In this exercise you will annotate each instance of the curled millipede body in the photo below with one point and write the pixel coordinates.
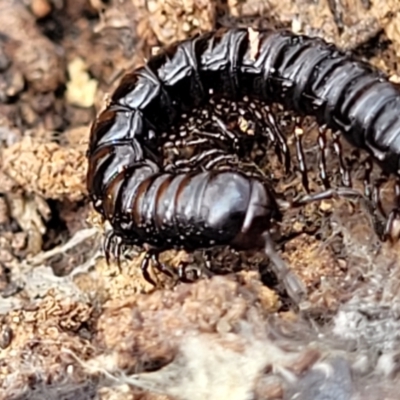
(146, 204)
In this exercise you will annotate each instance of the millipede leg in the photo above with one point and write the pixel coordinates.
(397, 192)
(216, 160)
(392, 228)
(376, 197)
(273, 126)
(205, 137)
(207, 260)
(322, 161)
(192, 142)
(327, 194)
(108, 244)
(192, 162)
(225, 134)
(367, 177)
(270, 131)
(198, 158)
(160, 266)
(344, 172)
(184, 270)
(117, 253)
(144, 266)
(301, 159)
(153, 255)
(352, 193)
(112, 245)
(173, 144)
(233, 137)
(198, 270)
(293, 285)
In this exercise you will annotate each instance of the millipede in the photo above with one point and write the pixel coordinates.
(164, 208)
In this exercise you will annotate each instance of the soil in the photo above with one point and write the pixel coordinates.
(74, 326)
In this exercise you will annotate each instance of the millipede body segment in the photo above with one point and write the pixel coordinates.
(146, 204)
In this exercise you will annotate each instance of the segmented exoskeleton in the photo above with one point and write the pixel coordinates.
(167, 209)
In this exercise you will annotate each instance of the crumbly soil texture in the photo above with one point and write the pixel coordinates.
(73, 326)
